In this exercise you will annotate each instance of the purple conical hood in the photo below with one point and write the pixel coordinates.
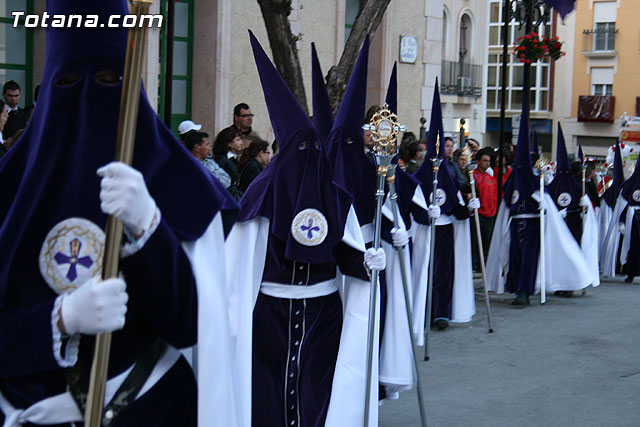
(436, 128)
(562, 158)
(298, 177)
(535, 148)
(580, 154)
(522, 178)
(351, 167)
(352, 109)
(286, 114)
(564, 189)
(424, 174)
(392, 91)
(322, 113)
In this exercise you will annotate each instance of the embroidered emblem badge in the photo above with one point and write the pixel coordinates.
(564, 200)
(441, 197)
(309, 227)
(71, 254)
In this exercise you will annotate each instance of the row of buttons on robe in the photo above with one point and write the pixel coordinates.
(296, 326)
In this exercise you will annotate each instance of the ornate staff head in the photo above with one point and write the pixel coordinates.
(385, 128)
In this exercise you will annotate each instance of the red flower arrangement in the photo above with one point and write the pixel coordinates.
(531, 48)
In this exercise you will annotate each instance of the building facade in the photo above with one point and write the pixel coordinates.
(601, 75)
(213, 67)
(542, 81)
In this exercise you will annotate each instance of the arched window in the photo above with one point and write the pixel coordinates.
(445, 24)
(465, 39)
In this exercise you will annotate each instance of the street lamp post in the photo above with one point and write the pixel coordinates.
(530, 13)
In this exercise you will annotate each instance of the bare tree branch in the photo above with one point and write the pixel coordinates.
(283, 45)
(285, 52)
(367, 21)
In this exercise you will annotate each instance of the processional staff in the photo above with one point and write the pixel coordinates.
(435, 163)
(129, 103)
(480, 249)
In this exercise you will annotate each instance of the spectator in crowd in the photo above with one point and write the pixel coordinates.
(253, 159)
(10, 141)
(199, 146)
(17, 116)
(226, 149)
(487, 192)
(243, 119)
(187, 126)
(448, 154)
(408, 154)
(474, 146)
(461, 159)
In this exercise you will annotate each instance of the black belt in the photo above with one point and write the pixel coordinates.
(78, 380)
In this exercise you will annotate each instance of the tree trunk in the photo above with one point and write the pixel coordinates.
(367, 21)
(283, 45)
(285, 52)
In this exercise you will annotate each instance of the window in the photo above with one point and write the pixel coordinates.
(445, 22)
(602, 81)
(601, 89)
(604, 25)
(352, 8)
(182, 78)
(604, 36)
(465, 38)
(16, 48)
(540, 71)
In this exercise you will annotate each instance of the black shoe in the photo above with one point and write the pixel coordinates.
(441, 324)
(559, 293)
(567, 294)
(629, 279)
(521, 300)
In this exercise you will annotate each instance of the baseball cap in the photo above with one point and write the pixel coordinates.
(187, 126)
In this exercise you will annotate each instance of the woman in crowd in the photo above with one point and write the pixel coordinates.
(253, 159)
(226, 149)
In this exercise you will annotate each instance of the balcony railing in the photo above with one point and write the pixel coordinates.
(461, 79)
(599, 109)
(600, 41)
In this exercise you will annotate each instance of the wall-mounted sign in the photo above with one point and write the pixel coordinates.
(408, 49)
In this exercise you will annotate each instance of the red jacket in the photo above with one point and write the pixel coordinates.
(487, 193)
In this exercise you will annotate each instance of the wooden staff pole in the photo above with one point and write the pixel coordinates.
(129, 103)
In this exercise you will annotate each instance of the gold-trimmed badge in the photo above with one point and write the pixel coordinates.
(564, 199)
(71, 254)
(309, 227)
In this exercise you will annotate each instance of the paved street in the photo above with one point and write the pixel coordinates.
(572, 362)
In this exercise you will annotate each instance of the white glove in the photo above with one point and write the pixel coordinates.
(621, 227)
(124, 194)
(585, 202)
(400, 237)
(375, 259)
(95, 307)
(434, 211)
(474, 203)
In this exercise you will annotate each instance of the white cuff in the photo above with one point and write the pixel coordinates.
(134, 245)
(71, 350)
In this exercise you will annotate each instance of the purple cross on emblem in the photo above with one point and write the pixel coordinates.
(73, 259)
(310, 228)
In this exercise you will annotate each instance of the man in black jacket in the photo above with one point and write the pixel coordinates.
(17, 116)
